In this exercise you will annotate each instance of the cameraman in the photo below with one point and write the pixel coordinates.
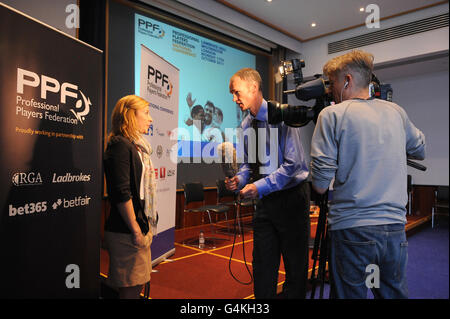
(281, 219)
(361, 141)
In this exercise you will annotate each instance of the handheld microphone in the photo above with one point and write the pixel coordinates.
(229, 162)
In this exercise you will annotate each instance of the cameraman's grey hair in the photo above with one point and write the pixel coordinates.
(357, 62)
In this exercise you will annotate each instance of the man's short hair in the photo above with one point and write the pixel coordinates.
(357, 62)
(249, 74)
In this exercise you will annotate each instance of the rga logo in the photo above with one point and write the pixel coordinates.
(27, 179)
(158, 83)
(151, 29)
(49, 84)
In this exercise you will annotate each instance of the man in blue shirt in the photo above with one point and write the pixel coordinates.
(278, 181)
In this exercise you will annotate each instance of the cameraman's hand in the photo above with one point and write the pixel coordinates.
(232, 183)
(138, 239)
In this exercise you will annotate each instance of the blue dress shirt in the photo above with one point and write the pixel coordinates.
(284, 165)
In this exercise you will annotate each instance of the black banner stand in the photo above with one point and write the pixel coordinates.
(51, 103)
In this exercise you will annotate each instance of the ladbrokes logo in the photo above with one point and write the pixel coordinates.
(70, 178)
(151, 29)
(41, 109)
(158, 83)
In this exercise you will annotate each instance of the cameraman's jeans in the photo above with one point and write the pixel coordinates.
(382, 247)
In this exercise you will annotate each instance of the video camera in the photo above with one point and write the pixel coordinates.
(301, 115)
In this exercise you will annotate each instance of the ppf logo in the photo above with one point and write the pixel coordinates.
(157, 80)
(48, 84)
(27, 179)
(151, 29)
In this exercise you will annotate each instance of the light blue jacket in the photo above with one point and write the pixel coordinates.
(364, 144)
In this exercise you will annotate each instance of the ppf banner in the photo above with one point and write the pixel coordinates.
(159, 85)
(50, 161)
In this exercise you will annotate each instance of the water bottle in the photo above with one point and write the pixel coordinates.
(201, 240)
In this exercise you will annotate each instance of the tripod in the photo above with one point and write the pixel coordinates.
(321, 250)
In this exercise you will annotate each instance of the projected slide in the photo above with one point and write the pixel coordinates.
(206, 107)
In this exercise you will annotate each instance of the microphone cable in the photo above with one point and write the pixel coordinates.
(243, 249)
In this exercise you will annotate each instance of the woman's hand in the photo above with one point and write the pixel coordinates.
(126, 210)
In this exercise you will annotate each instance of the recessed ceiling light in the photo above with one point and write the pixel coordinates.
(313, 24)
(269, 0)
(361, 9)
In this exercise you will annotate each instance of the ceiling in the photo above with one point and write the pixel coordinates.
(294, 17)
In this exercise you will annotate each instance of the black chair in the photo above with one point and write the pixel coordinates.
(440, 203)
(224, 196)
(194, 193)
(224, 193)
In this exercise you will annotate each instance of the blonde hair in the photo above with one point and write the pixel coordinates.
(356, 62)
(123, 118)
(249, 74)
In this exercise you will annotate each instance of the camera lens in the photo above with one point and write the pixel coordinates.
(292, 115)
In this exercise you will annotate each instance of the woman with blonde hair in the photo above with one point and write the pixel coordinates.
(131, 192)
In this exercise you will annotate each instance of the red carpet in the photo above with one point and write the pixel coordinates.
(193, 273)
